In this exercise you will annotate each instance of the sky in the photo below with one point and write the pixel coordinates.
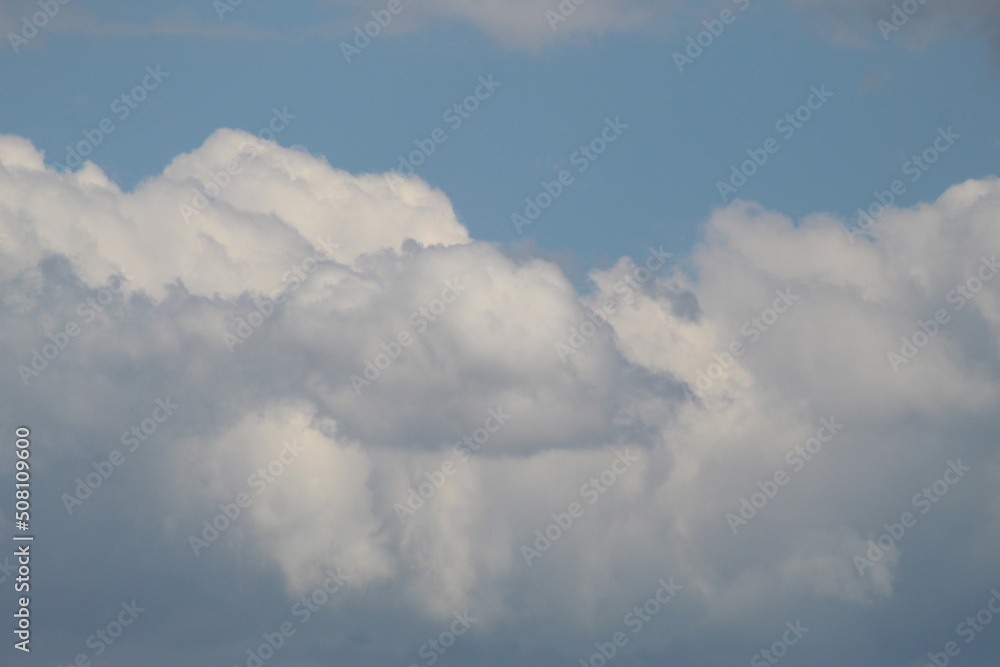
(520, 332)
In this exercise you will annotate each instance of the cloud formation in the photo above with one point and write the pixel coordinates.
(534, 25)
(664, 403)
(914, 23)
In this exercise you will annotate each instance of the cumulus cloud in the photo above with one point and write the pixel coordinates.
(349, 329)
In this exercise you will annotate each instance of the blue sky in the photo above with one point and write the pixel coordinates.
(470, 440)
(657, 185)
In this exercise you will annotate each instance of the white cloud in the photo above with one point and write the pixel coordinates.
(495, 346)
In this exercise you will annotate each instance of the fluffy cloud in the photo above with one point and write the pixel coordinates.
(338, 346)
